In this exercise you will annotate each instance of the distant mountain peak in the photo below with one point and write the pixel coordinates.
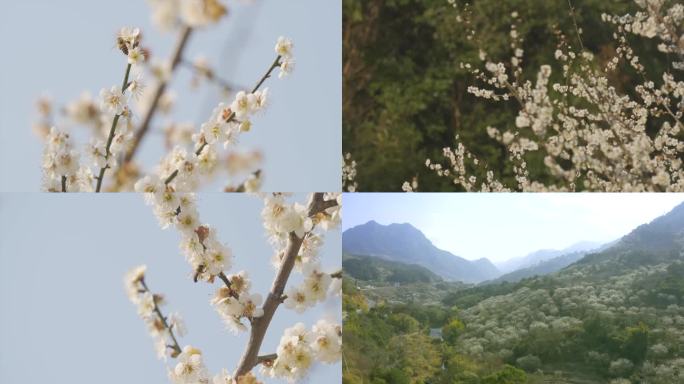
(402, 242)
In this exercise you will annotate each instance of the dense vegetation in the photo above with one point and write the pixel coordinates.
(405, 94)
(615, 316)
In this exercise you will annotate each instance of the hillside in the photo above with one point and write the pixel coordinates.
(614, 316)
(543, 255)
(367, 268)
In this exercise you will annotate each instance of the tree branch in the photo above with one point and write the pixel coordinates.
(176, 347)
(100, 177)
(270, 358)
(157, 94)
(231, 117)
(260, 324)
(318, 204)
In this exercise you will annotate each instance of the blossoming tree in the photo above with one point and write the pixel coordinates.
(296, 232)
(124, 113)
(591, 134)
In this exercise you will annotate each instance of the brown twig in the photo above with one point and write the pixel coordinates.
(267, 358)
(176, 347)
(231, 117)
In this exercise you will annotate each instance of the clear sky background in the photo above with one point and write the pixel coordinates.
(65, 47)
(64, 314)
(502, 226)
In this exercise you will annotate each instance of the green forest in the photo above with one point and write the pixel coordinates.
(406, 91)
(613, 317)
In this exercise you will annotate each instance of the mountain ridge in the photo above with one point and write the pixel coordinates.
(403, 242)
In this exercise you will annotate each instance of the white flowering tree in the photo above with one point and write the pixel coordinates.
(123, 116)
(592, 134)
(296, 232)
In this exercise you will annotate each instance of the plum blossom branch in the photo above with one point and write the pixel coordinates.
(176, 57)
(291, 226)
(148, 303)
(231, 117)
(163, 319)
(112, 130)
(250, 356)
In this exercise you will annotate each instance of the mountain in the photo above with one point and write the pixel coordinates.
(655, 250)
(568, 256)
(660, 241)
(543, 255)
(542, 268)
(406, 244)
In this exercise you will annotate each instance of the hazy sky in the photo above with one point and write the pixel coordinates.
(64, 314)
(501, 226)
(65, 47)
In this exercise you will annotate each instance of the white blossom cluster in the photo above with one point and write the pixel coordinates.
(282, 218)
(299, 348)
(182, 168)
(112, 121)
(593, 135)
(234, 302)
(656, 20)
(191, 157)
(207, 256)
(61, 165)
(313, 290)
(169, 14)
(163, 329)
(349, 183)
(190, 368)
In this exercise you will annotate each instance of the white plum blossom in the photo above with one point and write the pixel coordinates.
(299, 348)
(327, 341)
(284, 47)
(190, 368)
(112, 100)
(61, 163)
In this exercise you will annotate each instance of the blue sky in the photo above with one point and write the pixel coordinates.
(65, 47)
(65, 315)
(501, 226)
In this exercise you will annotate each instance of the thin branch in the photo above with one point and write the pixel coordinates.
(231, 117)
(157, 94)
(270, 358)
(574, 21)
(176, 347)
(210, 76)
(100, 177)
(336, 275)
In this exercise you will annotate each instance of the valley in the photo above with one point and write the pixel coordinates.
(611, 313)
